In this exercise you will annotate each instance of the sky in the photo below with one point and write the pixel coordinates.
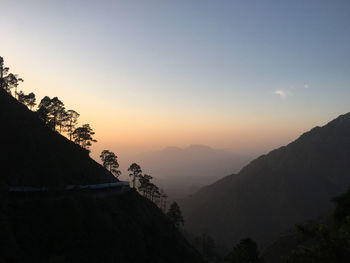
(243, 75)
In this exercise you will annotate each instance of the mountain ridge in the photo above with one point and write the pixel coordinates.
(288, 185)
(28, 140)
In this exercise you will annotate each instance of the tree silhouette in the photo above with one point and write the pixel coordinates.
(246, 251)
(145, 181)
(325, 241)
(163, 200)
(57, 112)
(71, 122)
(150, 190)
(44, 110)
(52, 112)
(83, 136)
(28, 100)
(175, 215)
(207, 247)
(153, 192)
(8, 80)
(21, 97)
(110, 162)
(136, 172)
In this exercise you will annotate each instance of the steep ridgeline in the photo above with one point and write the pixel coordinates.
(36, 156)
(277, 190)
(73, 226)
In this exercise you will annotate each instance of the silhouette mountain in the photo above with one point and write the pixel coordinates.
(35, 155)
(74, 226)
(289, 185)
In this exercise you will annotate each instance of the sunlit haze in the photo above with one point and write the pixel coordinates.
(242, 75)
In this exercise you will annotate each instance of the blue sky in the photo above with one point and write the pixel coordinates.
(177, 68)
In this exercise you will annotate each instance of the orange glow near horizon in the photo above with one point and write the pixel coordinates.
(128, 119)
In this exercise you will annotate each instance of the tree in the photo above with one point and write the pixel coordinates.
(57, 112)
(207, 247)
(144, 181)
(21, 97)
(71, 122)
(175, 215)
(110, 162)
(163, 200)
(28, 100)
(148, 189)
(153, 192)
(52, 112)
(246, 251)
(8, 80)
(136, 172)
(83, 136)
(44, 110)
(324, 241)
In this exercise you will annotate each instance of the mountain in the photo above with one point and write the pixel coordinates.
(75, 226)
(35, 155)
(182, 171)
(289, 185)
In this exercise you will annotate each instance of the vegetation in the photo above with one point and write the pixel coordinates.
(71, 121)
(162, 203)
(46, 157)
(135, 172)
(246, 251)
(29, 100)
(83, 136)
(51, 111)
(325, 242)
(8, 81)
(175, 215)
(206, 245)
(145, 187)
(110, 162)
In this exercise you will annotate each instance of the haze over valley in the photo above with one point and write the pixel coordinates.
(182, 171)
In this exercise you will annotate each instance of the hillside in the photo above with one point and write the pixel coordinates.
(80, 228)
(74, 226)
(35, 155)
(289, 185)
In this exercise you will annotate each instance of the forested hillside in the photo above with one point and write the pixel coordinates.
(35, 155)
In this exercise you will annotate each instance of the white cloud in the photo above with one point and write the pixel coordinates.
(282, 93)
(306, 86)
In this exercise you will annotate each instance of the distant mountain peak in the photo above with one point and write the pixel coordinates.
(199, 147)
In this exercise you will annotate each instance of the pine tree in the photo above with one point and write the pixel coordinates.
(175, 215)
(110, 162)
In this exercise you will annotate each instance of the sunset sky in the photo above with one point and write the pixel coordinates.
(244, 75)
